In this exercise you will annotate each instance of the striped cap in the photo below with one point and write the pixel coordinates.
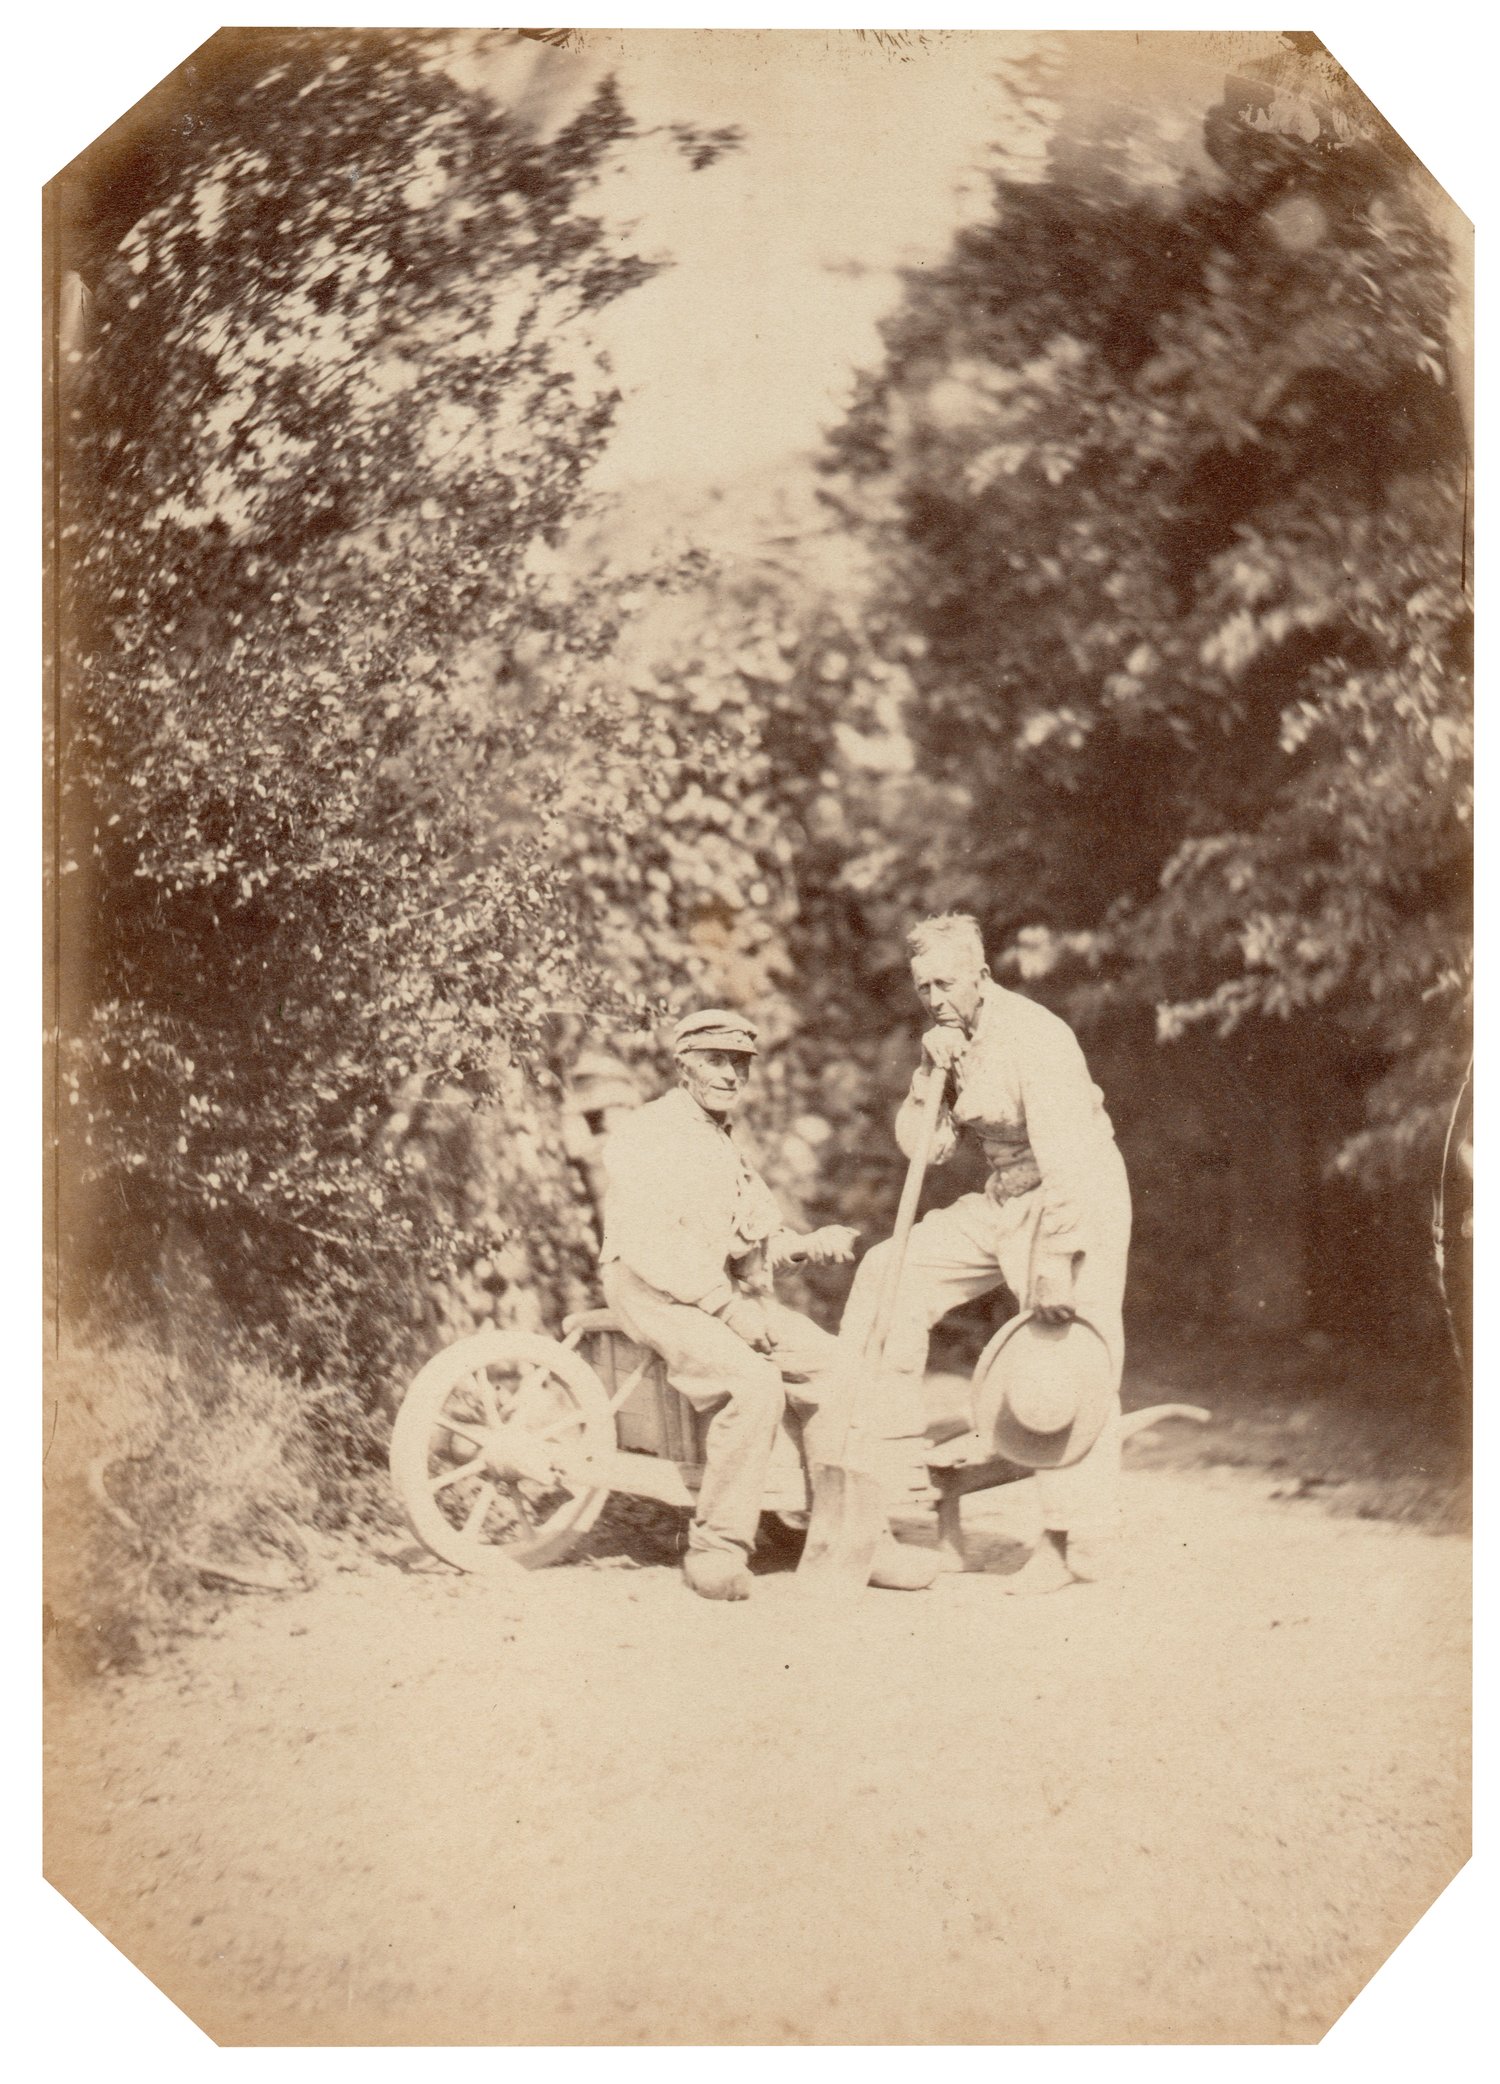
(716, 1027)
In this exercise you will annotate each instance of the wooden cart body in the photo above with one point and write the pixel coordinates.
(658, 1435)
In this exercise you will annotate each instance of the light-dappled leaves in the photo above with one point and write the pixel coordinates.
(1169, 483)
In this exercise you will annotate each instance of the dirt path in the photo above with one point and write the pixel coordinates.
(1201, 1804)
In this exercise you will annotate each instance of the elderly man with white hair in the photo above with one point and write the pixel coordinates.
(692, 1238)
(1052, 1223)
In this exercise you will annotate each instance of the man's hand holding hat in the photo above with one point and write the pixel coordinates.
(1051, 1293)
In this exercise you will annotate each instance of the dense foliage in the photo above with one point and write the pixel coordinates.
(1169, 482)
(324, 700)
(1138, 625)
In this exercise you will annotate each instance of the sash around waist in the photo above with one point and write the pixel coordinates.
(1013, 1169)
(1012, 1173)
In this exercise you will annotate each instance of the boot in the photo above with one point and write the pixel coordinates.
(898, 1568)
(717, 1574)
(1089, 1560)
(1045, 1569)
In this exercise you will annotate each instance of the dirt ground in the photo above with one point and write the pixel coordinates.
(1199, 1804)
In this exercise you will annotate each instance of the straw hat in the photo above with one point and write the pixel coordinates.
(1042, 1392)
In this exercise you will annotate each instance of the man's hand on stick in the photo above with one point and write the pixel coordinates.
(944, 1046)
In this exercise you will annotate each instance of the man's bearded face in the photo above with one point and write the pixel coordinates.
(715, 1078)
(949, 981)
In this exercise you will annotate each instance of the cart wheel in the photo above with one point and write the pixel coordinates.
(501, 1449)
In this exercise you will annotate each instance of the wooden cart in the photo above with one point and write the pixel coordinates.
(508, 1443)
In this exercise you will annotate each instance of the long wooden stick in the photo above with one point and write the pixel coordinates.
(906, 1212)
(848, 1519)
(906, 1209)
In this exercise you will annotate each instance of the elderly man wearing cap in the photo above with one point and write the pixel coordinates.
(1052, 1224)
(692, 1236)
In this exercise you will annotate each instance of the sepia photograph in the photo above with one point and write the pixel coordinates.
(758, 1149)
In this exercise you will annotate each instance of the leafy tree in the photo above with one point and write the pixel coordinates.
(321, 697)
(1168, 485)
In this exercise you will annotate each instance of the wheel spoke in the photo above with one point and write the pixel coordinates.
(523, 1389)
(485, 1389)
(464, 1428)
(455, 1475)
(473, 1526)
(528, 1517)
(570, 1421)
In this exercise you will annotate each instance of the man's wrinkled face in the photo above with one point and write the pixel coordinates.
(714, 1077)
(949, 982)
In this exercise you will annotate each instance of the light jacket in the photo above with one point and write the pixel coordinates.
(1023, 1089)
(683, 1207)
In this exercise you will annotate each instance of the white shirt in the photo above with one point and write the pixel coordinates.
(681, 1200)
(1022, 1087)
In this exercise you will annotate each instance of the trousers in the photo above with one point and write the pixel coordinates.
(977, 1244)
(747, 1393)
